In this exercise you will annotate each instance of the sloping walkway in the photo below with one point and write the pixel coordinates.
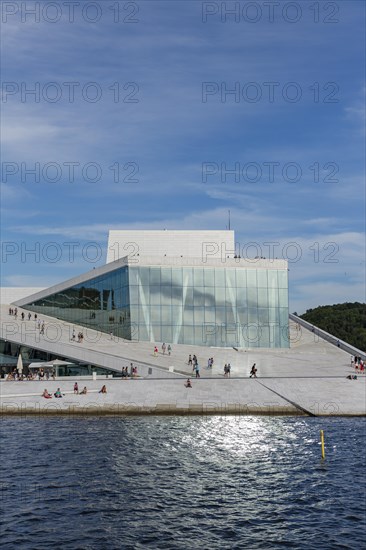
(308, 378)
(308, 356)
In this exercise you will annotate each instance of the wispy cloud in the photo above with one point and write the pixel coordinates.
(170, 132)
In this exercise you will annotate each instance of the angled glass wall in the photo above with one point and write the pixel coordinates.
(212, 306)
(101, 303)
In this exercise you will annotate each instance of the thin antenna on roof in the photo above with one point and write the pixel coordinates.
(229, 219)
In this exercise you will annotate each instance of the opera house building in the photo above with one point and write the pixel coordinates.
(182, 287)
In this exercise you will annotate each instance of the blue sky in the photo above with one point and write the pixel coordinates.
(163, 117)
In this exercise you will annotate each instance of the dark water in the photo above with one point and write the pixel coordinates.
(166, 482)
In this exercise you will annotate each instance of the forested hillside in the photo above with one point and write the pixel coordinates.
(345, 321)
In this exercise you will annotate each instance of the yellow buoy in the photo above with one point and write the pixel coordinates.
(322, 443)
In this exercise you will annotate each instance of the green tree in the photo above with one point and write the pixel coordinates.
(345, 321)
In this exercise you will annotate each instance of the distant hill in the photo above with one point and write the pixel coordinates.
(345, 321)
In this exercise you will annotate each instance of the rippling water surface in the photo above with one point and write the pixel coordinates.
(174, 482)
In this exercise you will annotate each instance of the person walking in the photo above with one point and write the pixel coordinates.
(253, 372)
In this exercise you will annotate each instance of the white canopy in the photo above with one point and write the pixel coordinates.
(20, 364)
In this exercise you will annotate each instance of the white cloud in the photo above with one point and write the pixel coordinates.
(309, 296)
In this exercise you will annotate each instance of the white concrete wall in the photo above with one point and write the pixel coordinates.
(168, 242)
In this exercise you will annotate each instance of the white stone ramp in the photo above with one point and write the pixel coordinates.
(323, 396)
(307, 356)
(97, 347)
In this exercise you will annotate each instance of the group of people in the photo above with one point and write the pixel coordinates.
(43, 374)
(167, 348)
(58, 394)
(227, 370)
(14, 312)
(164, 348)
(84, 391)
(17, 376)
(358, 363)
(132, 373)
(41, 326)
(39, 374)
(193, 361)
(80, 337)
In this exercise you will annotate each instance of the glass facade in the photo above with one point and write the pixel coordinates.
(212, 306)
(102, 303)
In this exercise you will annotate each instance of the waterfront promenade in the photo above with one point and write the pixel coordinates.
(267, 396)
(308, 378)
